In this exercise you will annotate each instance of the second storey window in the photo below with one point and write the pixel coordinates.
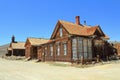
(61, 33)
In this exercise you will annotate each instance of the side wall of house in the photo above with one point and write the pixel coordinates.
(62, 53)
(50, 52)
(27, 49)
(60, 50)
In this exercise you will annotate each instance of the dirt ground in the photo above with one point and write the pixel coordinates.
(22, 70)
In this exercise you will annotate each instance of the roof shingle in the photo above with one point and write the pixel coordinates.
(18, 45)
(78, 29)
(37, 41)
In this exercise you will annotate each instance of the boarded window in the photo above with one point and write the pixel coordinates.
(74, 48)
(65, 48)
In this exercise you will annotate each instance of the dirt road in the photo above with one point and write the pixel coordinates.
(21, 70)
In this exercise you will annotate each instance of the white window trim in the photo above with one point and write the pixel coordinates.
(58, 48)
(61, 31)
(65, 49)
(51, 50)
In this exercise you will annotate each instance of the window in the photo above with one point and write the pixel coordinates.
(46, 51)
(51, 50)
(85, 48)
(90, 49)
(58, 49)
(61, 31)
(80, 47)
(65, 48)
(74, 48)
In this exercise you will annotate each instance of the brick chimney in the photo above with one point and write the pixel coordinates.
(13, 39)
(77, 20)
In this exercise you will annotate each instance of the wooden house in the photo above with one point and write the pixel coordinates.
(117, 46)
(31, 47)
(74, 42)
(16, 48)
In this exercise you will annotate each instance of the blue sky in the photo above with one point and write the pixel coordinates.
(37, 18)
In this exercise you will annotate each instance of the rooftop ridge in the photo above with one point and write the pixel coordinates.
(20, 42)
(37, 38)
(89, 26)
(70, 22)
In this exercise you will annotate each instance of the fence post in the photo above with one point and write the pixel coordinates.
(82, 60)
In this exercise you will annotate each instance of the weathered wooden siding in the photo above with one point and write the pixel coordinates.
(40, 52)
(117, 47)
(63, 57)
(64, 33)
(44, 52)
(27, 50)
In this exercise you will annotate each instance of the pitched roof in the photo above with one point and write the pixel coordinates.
(75, 29)
(37, 41)
(18, 45)
(78, 29)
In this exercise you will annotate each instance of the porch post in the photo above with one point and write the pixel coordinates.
(12, 52)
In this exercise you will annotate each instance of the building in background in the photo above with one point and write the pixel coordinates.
(16, 48)
(117, 47)
(31, 47)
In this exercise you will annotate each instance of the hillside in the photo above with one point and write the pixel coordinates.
(3, 49)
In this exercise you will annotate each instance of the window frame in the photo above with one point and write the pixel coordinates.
(65, 48)
(51, 50)
(74, 49)
(58, 49)
(61, 31)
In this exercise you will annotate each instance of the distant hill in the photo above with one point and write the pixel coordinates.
(3, 49)
(114, 42)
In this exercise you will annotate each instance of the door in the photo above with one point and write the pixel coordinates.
(40, 54)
